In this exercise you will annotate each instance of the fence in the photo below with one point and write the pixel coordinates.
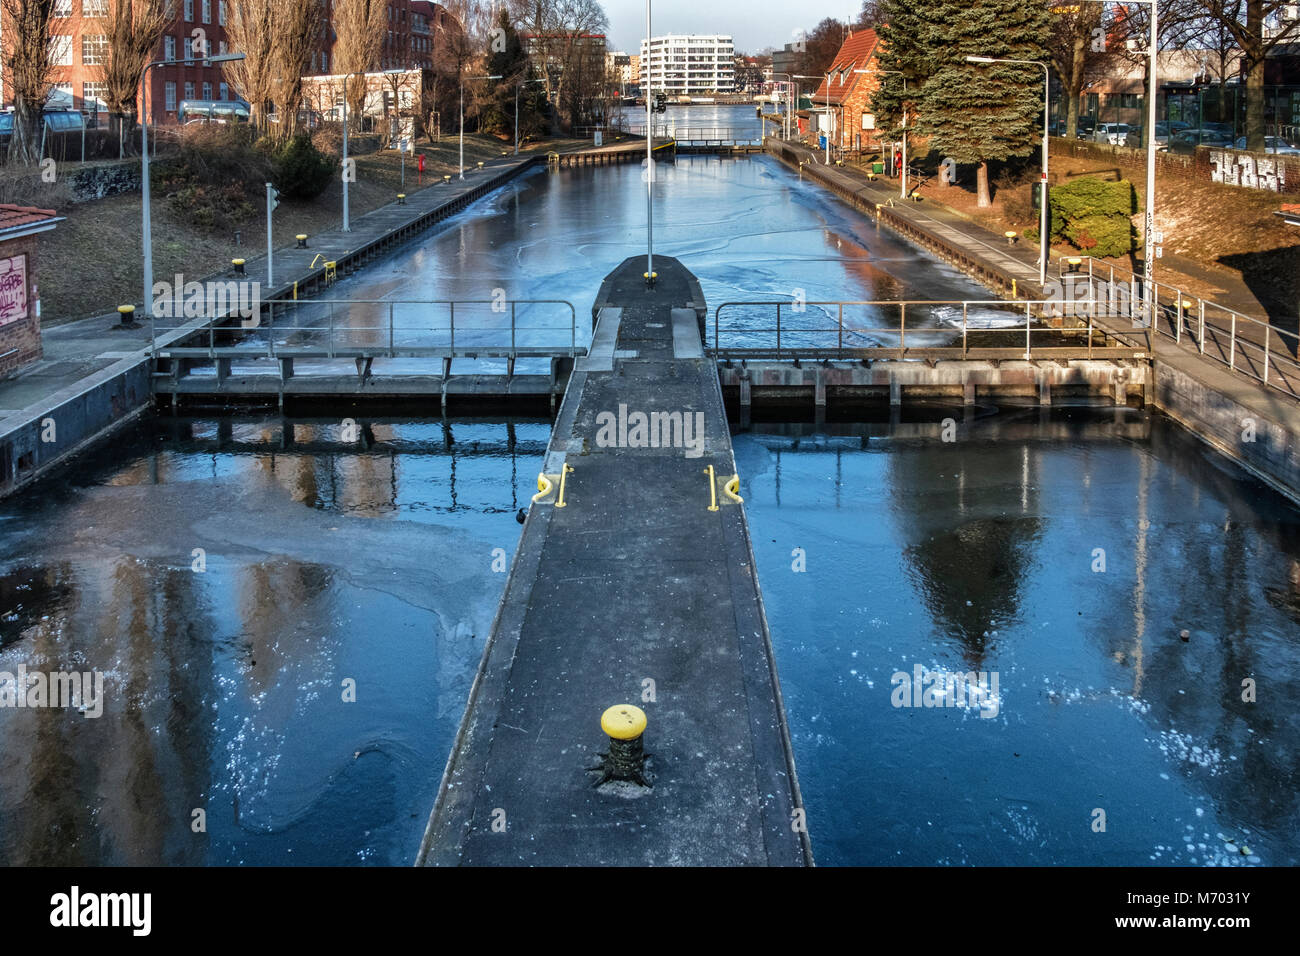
(367, 328)
(1242, 343)
(924, 329)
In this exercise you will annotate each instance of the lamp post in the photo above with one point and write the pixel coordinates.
(462, 117)
(347, 226)
(1149, 221)
(785, 127)
(649, 155)
(800, 76)
(1044, 240)
(903, 191)
(519, 86)
(146, 229)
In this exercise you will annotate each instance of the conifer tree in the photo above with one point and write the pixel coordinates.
(975, 113)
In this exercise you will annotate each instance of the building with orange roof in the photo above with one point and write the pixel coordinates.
(842, 102)
(20, 303)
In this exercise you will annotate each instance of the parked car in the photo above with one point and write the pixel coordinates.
(1186, 141)
(1112, 133)
(1085, 127)
(1273, 144)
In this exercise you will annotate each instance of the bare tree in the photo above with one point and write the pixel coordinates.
(301, 23)
(133, 28)
(359, 28)
(1078, 49)
(28, 66)
(1259, 27)
(252, 29)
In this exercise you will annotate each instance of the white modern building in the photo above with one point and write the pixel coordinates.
(688, 65)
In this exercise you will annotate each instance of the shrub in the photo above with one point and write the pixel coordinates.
(215, 177)
(1093, 215)
(301, 170)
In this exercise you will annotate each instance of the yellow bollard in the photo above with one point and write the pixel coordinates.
(564, 477)
(713, 490)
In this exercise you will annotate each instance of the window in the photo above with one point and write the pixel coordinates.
(94, 49)
(225, 91)
(192, 48)
(62, 9)
(207, 91)
(189, 11)
(169, 96)
(61, 50)
(169, 48)
(94, 8)
(868, 120)
(221, 46)
(207, 11)
(221, 12)
(324, 61)
(189, 89)
(94, 96)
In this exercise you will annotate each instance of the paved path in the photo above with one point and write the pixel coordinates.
(634, 579)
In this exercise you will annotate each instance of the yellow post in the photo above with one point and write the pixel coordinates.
(713, 490)
(564, 477)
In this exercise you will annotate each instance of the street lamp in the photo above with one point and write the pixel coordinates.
(518, 87)
(347, 227)
(649, 153)
(1149, 226)
(462, 117)
(1044, 240)
(785, 128)
(903, 192)
(147, 227)
(800, 76)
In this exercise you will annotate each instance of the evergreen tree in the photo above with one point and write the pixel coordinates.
(973, 112)
(903, 59)
(508, 60)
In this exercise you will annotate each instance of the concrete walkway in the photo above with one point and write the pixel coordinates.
(643, 577)
(1021, 262)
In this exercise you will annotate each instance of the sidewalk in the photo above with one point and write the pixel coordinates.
(1020, 262)
(76, 350)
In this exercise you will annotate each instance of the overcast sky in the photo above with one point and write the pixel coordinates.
(753, 24)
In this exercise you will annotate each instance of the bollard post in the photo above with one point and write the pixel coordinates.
(126, 317)
(624, 724)
(239, 266)
(302, 240)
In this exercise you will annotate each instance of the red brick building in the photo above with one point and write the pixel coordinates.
(415, 37)
(20, 303)
(844, 104)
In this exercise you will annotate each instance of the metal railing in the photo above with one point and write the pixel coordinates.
(924, 329)
(704, 135)
(341, 328)
(1246, 345)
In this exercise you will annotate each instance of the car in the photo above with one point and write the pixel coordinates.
(1186, 141)
(1273, 144)
(1085, 127)
(1112, 133)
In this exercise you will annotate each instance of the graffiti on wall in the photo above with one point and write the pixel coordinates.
(1243, 169)
(13, 289)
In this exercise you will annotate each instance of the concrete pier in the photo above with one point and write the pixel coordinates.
(634, 583)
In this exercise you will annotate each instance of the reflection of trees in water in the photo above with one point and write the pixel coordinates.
(971, 549)
(118, 789)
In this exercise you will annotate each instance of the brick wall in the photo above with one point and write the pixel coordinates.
(20, 341)
(1197, 168)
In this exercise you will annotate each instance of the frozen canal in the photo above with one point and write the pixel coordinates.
(238, 581)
